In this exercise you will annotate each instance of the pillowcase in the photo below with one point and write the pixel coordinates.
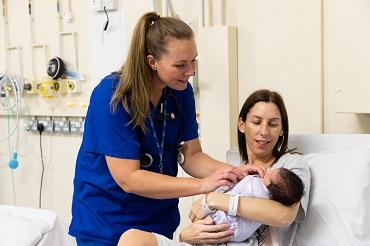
(21, 231)
(339, 207)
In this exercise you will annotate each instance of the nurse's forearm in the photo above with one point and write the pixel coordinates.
(128, 175)
(197, 163)
(154, 185)
(201, 165)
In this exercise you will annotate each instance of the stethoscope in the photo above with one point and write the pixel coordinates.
(146, 160)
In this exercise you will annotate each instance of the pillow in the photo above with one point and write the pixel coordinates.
(338, 210)
(21, 231)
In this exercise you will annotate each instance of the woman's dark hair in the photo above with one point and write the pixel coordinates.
(267, 96)
(288, 189)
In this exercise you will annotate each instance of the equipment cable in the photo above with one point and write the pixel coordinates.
(40, 128)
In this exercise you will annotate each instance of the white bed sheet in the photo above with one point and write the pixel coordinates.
(23, 226)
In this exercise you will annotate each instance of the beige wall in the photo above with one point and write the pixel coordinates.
(279, 47)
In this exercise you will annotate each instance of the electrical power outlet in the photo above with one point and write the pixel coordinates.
(109, 4)
(31, 125)
(99, 5)
(61, 126)
(48, 125)
(77, 126)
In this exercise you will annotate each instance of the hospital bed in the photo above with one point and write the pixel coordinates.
(22, 226)
(339, 207)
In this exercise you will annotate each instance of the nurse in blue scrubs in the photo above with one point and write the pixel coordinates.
(137, 118)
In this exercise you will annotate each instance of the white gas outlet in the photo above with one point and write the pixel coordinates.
(95, 4)
(73, 86)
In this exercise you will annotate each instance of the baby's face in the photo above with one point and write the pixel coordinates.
(271, 176)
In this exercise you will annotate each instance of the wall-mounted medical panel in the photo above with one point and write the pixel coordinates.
(32, 34)
(218, 98)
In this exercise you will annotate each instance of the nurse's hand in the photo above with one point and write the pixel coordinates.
(221, 177)
(249, 169)
(205, 231)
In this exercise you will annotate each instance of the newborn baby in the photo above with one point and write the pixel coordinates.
(280, 184)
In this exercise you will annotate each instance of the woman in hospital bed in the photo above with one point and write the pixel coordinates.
(262, 138)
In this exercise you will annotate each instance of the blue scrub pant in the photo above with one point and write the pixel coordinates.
(84, 242)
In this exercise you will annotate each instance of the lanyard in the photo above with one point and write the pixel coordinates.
(160, 147)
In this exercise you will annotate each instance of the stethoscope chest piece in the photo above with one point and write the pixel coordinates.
(180, 155)
(146, 160)
(180, 158)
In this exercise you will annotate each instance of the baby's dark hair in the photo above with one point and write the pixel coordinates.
(288, 189)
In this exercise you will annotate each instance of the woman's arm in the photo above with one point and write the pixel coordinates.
(128, 175)
(265, 211)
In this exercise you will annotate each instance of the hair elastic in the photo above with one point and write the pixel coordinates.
(155, 19)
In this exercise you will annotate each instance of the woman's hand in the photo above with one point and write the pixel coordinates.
(221, 177)
(205, 231)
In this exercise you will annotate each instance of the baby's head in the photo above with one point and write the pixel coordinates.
(284, 186)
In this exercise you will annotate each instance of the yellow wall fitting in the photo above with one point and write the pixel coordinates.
(48, 88)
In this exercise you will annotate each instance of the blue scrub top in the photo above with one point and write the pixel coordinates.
(101, 210)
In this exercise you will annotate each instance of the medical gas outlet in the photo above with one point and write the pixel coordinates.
(48, 88)
(30, 87)
(73, 86)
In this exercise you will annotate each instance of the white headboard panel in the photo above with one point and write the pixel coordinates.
(312, 143)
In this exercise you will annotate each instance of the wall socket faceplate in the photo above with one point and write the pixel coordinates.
(48, 125)
(98, 5)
